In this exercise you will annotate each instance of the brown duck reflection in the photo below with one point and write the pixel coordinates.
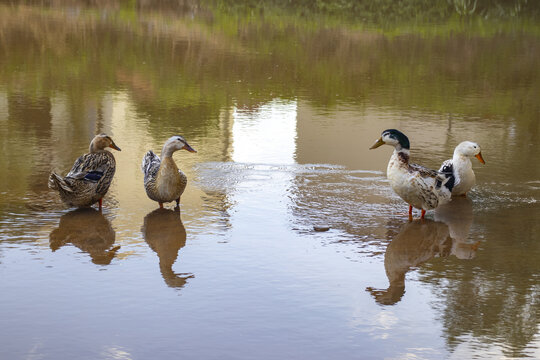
(417, 242)
(165, 234)
(88, 230)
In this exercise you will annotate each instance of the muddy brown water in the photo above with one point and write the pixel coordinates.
(282, 118)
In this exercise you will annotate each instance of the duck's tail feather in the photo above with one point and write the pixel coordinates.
(150, 165)
(57, 183)
(147, 161)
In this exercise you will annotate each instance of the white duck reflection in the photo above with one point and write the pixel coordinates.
(165, 234)
(417, 242)
(88, 230)
(458, 215)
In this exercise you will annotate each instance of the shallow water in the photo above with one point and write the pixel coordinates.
(282, 114)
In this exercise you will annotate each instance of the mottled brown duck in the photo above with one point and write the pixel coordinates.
(90, 177)
(420, 187)
(163, 181)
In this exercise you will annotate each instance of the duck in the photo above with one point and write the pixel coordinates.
(461, 167)
(163, 181)
(90, 177)
(420, 187)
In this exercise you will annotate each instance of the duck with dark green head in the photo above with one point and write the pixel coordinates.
(420, 187)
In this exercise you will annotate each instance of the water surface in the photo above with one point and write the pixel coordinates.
(282, 112)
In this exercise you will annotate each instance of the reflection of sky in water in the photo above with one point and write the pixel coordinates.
(266, 135)
(263, 137)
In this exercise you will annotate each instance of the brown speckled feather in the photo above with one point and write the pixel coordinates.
(87, 181)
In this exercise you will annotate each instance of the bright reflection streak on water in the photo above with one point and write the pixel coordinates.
(266, 135)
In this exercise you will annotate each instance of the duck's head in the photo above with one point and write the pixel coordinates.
(470, 149)
(393, 138)
(175, 143)
(101, 141)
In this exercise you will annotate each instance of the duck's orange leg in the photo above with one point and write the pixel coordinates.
(410, 213)
(100, 204)
(423, 213)
(160, 205)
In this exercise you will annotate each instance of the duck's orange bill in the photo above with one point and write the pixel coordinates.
(480, 158)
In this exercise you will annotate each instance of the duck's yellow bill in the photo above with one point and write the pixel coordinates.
(480, 158)
(377, 144)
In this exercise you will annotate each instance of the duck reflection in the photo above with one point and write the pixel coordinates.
(458, 215)
(421, 240)
(88, 230)
(417, 242)
(165, 234)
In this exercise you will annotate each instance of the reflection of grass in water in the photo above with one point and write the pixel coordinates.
(387, 16)
(320, 56)
(355, 63)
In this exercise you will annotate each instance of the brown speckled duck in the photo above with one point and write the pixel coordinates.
(90, 177)
(419, 186)
(163, 181)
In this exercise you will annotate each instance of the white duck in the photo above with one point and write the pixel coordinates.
(420, 187)
(163, 181)
(460, 166)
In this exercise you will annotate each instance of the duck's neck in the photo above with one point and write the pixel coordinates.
(167, 151)
(402, 155)
(461, 162)
(94, 149)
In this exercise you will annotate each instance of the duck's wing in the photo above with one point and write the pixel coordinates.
(438, 178)
(424, 171)
(425, 184)
(429, 185)
(443, 182)
(150, 165)
(93, 167)
(447, 167)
